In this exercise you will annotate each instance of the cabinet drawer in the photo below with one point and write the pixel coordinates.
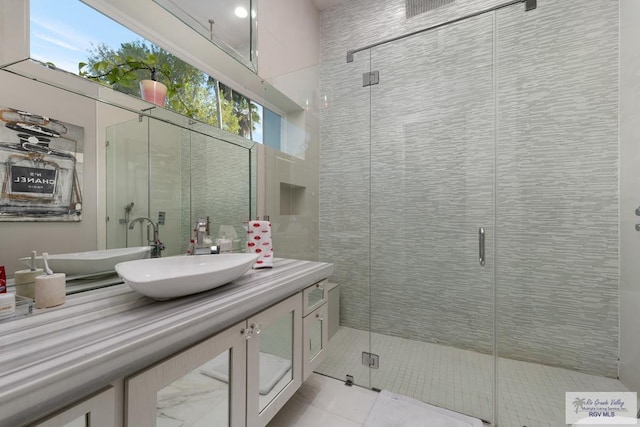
(314, 296)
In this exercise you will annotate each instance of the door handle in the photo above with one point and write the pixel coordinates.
(481, 245)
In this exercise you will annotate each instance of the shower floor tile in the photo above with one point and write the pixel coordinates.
(529, 394)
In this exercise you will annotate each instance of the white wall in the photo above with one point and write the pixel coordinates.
(289, 46)
(629, 194)
(288, 58)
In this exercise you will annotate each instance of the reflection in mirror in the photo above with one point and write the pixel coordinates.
(127, 180)
(201, 396)
(173, 175)
(229, 25)
(220, 188)
(276, 355)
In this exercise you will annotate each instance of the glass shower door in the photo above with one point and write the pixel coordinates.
(432, 203)
(557, 287)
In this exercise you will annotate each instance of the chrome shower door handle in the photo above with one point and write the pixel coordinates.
(481, 245)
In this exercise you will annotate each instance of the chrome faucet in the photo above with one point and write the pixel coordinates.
(158, 246)
(198, 246)
(201, 231)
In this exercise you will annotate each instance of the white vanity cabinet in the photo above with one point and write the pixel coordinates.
(238, 377)
(274, 356)
(98, 410)
(230, 357)
(203, 383)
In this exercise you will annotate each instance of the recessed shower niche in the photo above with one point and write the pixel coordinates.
(291, 199)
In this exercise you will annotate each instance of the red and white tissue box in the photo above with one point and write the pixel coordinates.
(259, 242)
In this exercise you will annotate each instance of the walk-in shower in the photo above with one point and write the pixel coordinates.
(469, 200)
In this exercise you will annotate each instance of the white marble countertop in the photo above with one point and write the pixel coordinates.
(60, 355)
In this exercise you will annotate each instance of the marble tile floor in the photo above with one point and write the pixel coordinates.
(325, 402)
(529, 394)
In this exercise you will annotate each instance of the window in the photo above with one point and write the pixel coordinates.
(240, 115)
(68, 33)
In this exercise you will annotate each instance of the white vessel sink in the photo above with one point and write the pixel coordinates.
(92, 261)
(171, 277)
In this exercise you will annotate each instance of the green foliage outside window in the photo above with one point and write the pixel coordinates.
(242, 117)
(191, 92)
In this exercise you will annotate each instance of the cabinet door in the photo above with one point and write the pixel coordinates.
(315, 335)
(205, 383)
(274, 359)
(96, 411)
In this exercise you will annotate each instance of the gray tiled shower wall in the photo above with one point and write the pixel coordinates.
(506, 121)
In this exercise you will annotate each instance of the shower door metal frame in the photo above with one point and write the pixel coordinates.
(528, 5)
